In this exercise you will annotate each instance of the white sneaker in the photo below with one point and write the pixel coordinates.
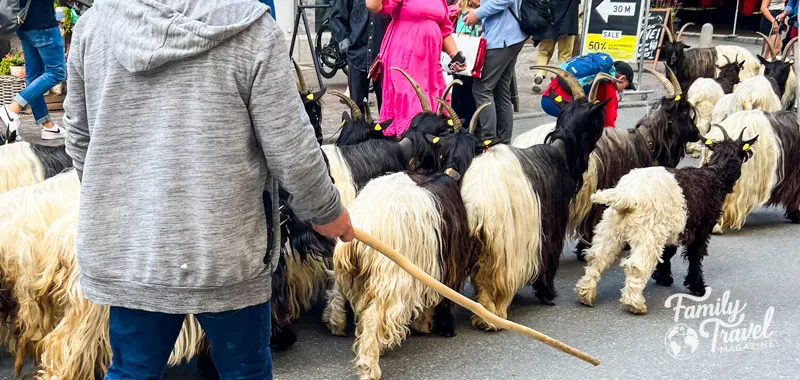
(10, 120)
(57, 132)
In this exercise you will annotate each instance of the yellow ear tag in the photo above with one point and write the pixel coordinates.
(746, 147)
(559, 99)
(708, 142)
(450, 122)
(487, 142)
(310, 97)
(435, 140)
(342, 123)
(677, 98)
(378, 127)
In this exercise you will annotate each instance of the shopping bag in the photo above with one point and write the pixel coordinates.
(474, 50)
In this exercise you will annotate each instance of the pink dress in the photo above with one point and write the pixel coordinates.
(413, 42)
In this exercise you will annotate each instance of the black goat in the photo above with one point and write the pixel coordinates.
(311, 101)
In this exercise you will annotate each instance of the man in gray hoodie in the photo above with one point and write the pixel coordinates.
(178, 113)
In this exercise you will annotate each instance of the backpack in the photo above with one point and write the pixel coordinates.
(586, 67)
(12, 15)
(535, 16)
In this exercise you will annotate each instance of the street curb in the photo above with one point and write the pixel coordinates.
(720, 37)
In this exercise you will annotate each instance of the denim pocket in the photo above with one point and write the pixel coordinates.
(40, 38)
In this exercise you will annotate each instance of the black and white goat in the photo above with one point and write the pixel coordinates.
(24, 164)
(658, 139)
(517, 201)
(755, 93)
(311, 101)
(422, 216)
(358, 127)
(782, 70)
(655, 210)
(772, 176)
(690, 64)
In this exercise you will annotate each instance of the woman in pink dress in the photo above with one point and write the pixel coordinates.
(419, 31)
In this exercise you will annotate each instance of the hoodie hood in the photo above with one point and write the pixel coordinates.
(146, 34)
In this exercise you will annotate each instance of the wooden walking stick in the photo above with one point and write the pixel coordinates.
(467, 303)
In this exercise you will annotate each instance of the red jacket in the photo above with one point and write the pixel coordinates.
(606, 90)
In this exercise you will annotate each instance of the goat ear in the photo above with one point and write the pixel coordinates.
(316, 96)
(345, 117)
(384, 124)
(741, 65)
(683, 45)
(13, 136)
(433, 139)
(747, 144)
(601, 105)
(762, 59)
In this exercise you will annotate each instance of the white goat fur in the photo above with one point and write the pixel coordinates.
(722, 108)
(789, 90)
(648, 210)
(704, 95)
(752, 66)
(19, 166)
(343, 179)
(384, 297)
(504, 215)
(754, 93)
(760, 174)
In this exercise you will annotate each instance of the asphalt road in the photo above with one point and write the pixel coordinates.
(756, 265)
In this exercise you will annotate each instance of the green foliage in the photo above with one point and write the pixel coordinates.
(15, 59)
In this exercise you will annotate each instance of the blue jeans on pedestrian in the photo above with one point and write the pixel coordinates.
(44, 68)
(141, 342)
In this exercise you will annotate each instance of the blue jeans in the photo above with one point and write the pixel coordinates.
(44, 68)
(141, 342)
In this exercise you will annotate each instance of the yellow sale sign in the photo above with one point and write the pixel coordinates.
(621, 48)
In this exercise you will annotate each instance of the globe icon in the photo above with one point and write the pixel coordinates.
(681, 341)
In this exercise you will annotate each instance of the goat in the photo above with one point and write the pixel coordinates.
(755, 93)
(782, 70)
(772, 176)
(357, 127)
(517, 202)
(695, 63)
(432, 233)
(311, 101)
(655, 210)
(658, 139)
(23, 164)
(728, 76)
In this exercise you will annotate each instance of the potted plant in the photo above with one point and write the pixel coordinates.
(674, 6)
(13, 64)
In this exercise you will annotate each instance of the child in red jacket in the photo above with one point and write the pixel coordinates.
(606, 90)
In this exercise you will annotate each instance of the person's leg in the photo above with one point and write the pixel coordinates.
(565, 44)
(359, 87)
(546, 48)
(49, 47)
(494, 64)
(502, 95)
(376, 84)
(240, 341)
(141, 342)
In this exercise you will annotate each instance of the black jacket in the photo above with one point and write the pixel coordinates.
(565, 15)
(41, 15)
(351, 19)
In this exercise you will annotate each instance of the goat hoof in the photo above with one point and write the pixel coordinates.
(546, 295)
(793, 216)
(282, 340)
(480, 324)
(717, 230)
(444, 328)
(696, 288)
(662, 279)
(638, 310)
(581, 256)
(546, 301)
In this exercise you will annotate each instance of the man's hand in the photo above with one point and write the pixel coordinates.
(344, 46)
(471, 18)
(339, 228)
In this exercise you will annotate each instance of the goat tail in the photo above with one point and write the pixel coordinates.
(611, 198)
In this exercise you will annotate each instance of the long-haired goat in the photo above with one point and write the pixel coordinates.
(782, 70)
(311, 101)
(690, 64)
(658, 139)
(358, 127)
(655, 210)
(432, 233)
(517, 202)
(755, 93)
(772, 176)
(23, 164)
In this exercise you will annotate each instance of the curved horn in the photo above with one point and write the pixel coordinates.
(668, 86)
(668, 33)
(680, 33)
(367, 111)
(426, 105)
(741, 134)
(771, 47)
(574, 86)
(595, 85)
(450, 111)
(727, 59)
(674, 80)
(474, 122)
(354, 111)
(447, 92)
(724, 132)
(301, 82)
(787, 49)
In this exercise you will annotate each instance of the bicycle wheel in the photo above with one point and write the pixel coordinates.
(327, 51)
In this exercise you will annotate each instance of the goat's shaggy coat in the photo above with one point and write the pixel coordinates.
(23, 164)
(703, 95)
(654, 208)
(755, 93)
(772, 176)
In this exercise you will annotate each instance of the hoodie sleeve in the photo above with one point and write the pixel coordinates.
(283, 129)
(75, 119)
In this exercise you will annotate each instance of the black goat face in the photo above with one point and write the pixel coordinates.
(673, 52)
(430, 123)
(8, 138)
(358, 130)
(778, 70)
(456, 151)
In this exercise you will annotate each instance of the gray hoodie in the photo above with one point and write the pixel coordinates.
(177, 114)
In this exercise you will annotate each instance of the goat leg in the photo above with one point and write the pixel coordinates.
(694, 253)
(793, 214)
(544, 286)
(663, 272)
(444, 322)
(581, 248)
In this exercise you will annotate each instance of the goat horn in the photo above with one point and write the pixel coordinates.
(447, 92)
(474, 122)
(596, 85)
(574, 86)
(354, 111)
(664, 82)
(771, 47)
(787, 49)
(668, 33)
(724, 132)
(727, 59)
(426, 105)
(450, 111)
(367, 111)
(301, 82)
(680, 33)
(674, 80)
(741, 134)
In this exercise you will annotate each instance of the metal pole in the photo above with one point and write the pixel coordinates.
(796, 72)
(587, 11)
(313, 53)
(645, 15)
(735, 18)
